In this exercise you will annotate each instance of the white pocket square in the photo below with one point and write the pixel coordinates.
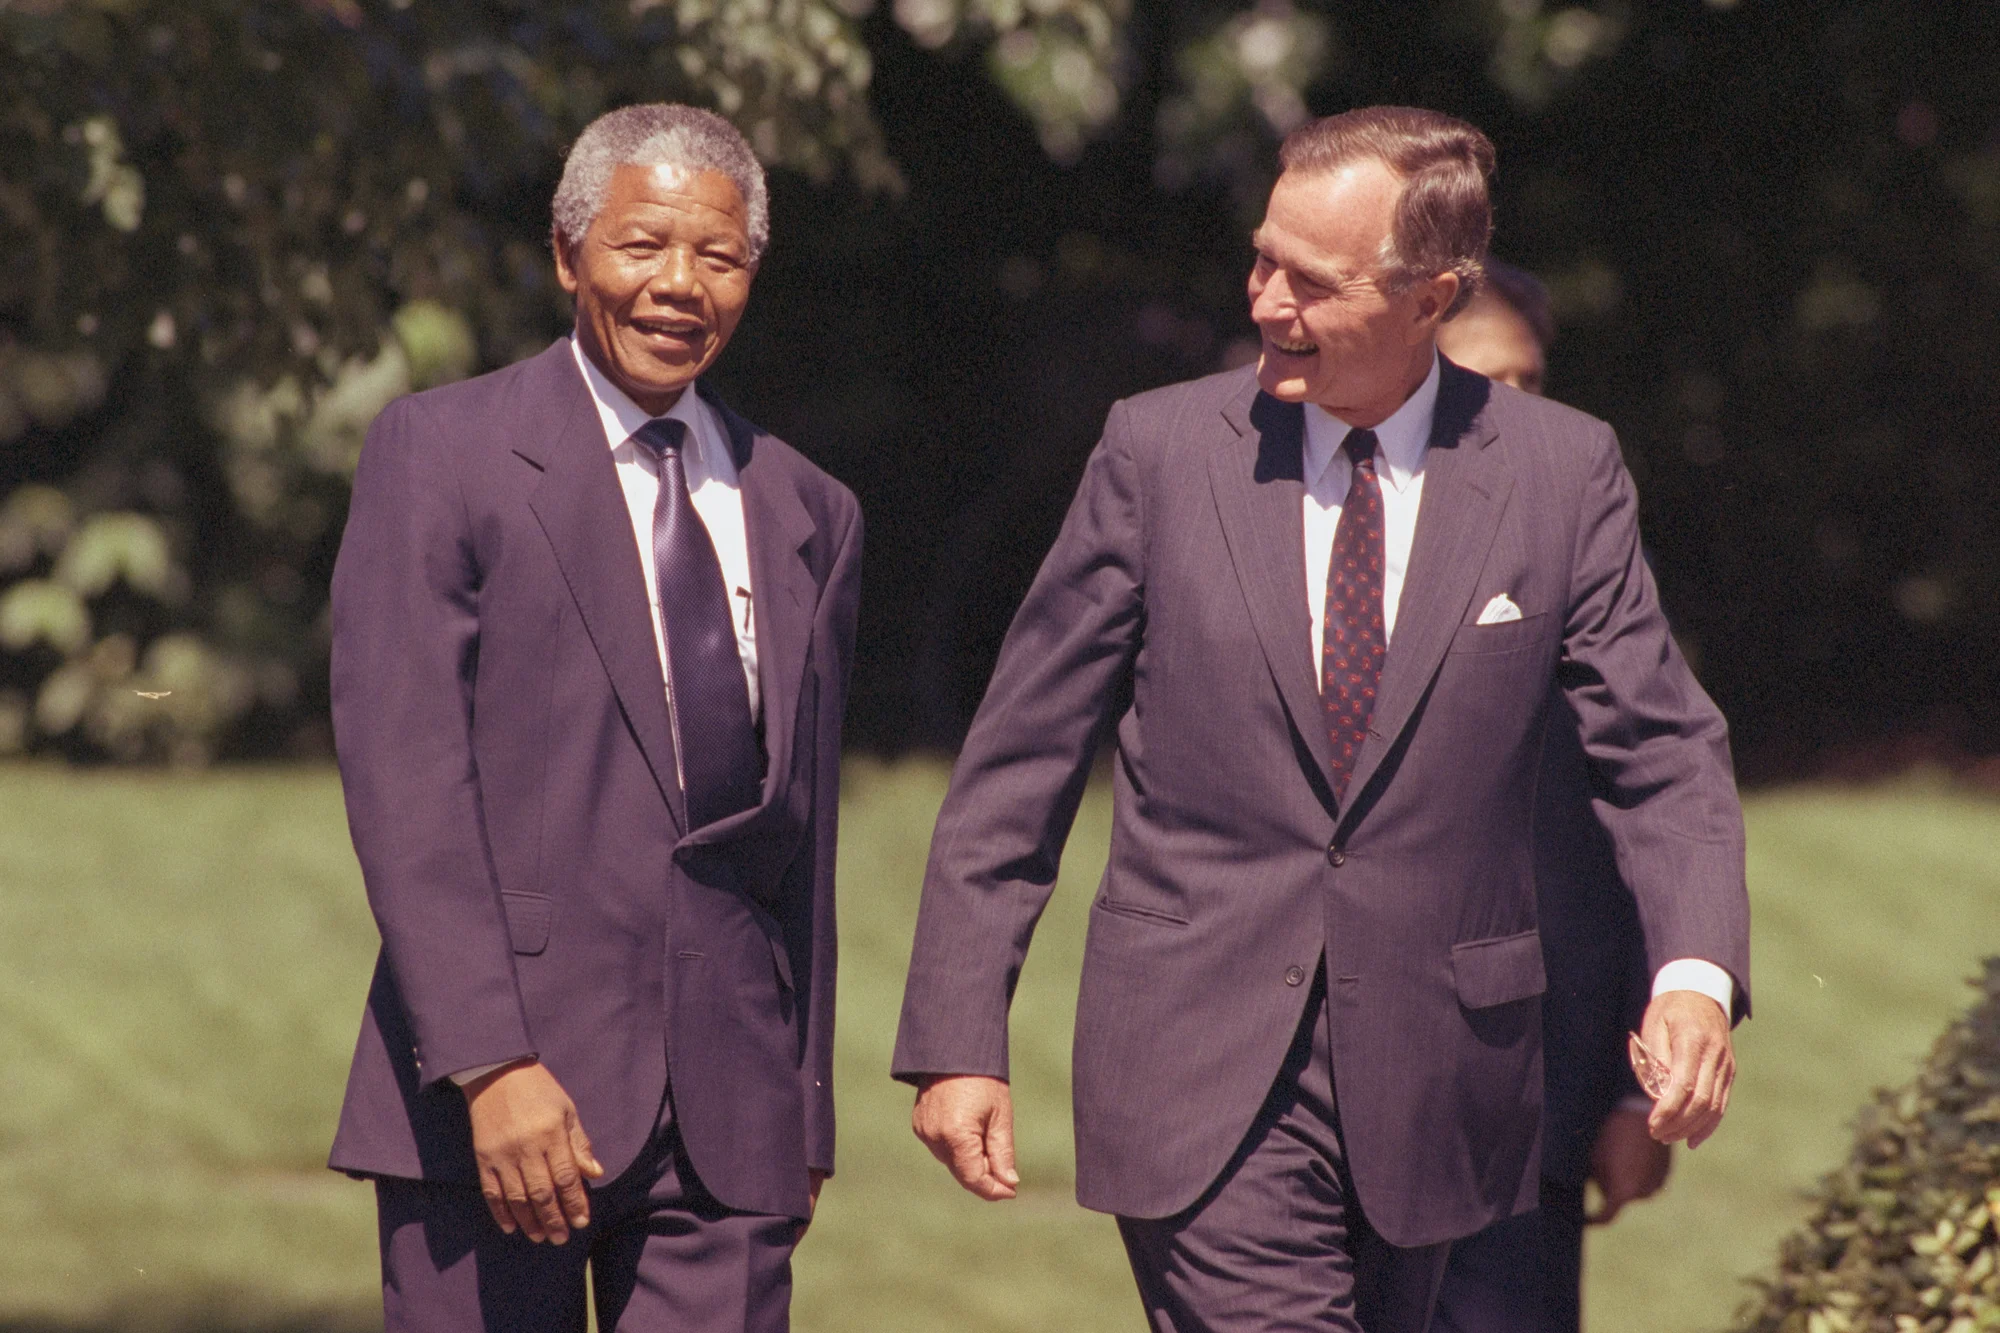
(1499, 611)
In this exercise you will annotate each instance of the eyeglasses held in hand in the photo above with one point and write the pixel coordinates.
(1651, 1070)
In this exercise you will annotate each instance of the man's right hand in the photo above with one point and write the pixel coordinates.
(967, 1121)
(533, 1154)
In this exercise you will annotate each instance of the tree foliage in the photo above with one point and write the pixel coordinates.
(235, 229)
(231, 229)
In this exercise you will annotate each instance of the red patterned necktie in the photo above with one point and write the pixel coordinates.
(1355, 636)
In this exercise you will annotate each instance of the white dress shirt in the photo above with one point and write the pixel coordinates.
(711, 480)
(1400, 445)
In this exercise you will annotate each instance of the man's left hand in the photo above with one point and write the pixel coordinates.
(1691, 1033)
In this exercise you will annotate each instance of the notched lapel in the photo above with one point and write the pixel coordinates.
(581, 508)
(1259, 486)
(777, 528)
(1466, 485)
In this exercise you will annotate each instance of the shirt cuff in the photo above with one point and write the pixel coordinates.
(465, 1076)
(1700, 975)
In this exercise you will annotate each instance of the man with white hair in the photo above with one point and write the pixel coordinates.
(592, 634)
(1321, 608)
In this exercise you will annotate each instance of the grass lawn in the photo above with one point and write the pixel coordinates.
(182, 962)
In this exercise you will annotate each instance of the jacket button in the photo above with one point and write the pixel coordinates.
(1294, 976)
(1334, 856)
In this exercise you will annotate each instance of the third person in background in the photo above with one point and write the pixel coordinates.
(1523, 1274)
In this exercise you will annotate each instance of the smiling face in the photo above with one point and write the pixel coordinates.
(660, 279)
(1334, 332)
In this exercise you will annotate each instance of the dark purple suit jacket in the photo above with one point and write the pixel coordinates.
(1173, 609)
(508, 761)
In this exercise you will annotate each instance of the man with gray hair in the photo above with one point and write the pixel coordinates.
(1323, 605)
(592, 632)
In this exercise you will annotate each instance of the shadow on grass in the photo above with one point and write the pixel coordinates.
(185, 1316)
(197, 1323)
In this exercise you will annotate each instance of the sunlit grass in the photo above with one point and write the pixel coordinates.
(182, 963)
(1870, 911)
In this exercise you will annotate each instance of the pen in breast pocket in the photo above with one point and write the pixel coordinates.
(744, 593)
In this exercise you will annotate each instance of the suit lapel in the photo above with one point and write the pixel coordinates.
(1465, 490)
(1259, 485)
(776, 528)
(582, 511)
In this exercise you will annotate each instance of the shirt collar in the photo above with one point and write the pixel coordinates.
(621, 418)
(1401, 440)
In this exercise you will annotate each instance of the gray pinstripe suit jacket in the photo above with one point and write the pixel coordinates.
(1172, 610)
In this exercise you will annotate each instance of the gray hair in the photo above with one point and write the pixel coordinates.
(1444, 217)
(658, 134)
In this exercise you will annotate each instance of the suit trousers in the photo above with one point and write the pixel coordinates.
(1279, 1242)
(1521, 1275)
(664, 1257)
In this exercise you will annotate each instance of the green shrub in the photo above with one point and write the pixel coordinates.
(1903, 1238)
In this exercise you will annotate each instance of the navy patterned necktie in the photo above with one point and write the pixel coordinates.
(721, 761)
(1355, 635)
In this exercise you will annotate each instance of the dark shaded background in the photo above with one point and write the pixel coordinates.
(1772, 230)
(1819, 487)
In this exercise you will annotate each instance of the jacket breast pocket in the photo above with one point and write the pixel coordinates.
(1498, 971)
(528, 916)
(1503, 637)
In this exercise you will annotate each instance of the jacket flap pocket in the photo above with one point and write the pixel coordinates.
(1498, 971)
(1140, 912)
(528, 920)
